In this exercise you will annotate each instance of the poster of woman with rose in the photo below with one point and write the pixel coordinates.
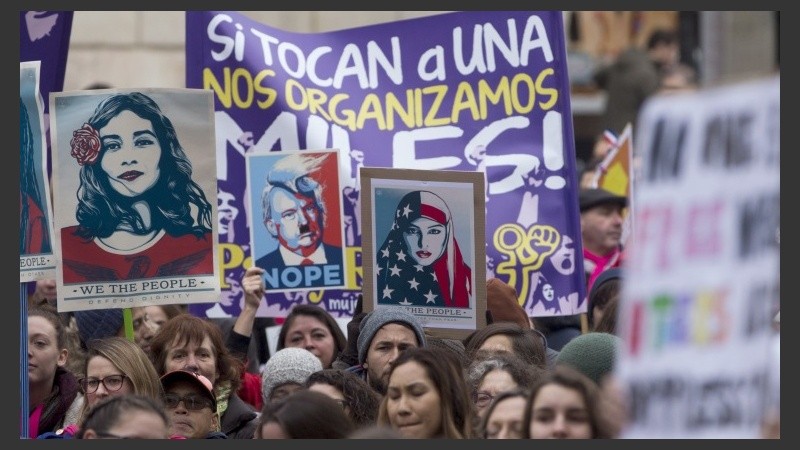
(135, 197)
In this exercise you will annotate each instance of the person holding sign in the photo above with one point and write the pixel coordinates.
(420, 262)
(139, 212)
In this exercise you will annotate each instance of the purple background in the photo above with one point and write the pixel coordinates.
(557, 207)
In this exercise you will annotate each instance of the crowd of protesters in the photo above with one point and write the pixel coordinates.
(184, 377)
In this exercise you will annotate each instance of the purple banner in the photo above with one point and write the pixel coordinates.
(44, 36)
(471, 91)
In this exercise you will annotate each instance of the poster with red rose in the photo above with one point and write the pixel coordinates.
(134, 194)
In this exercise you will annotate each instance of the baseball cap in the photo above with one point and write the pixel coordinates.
(198, 380)
(589, 198)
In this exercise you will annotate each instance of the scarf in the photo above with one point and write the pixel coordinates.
(601, 263)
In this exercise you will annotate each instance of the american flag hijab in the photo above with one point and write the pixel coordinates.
(403, 275)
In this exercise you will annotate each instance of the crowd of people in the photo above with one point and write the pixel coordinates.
(388, 379)
(180, 376)
(185, 377)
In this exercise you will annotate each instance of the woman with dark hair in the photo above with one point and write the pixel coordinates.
(503, 417)
(54, 397)
(34, 236)
(427, 396)
(314, 329)
(608, 319)
(359, 401)
(136, 197)
(127, 416)
(565, 404)
(528, 345)
(304, 415)
(607, 286)
(421, 250)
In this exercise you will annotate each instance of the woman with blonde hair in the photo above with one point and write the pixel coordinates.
(113, 366)
(117, 366)
(128, 360)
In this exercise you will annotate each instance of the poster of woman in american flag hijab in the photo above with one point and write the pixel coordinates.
(426, 249)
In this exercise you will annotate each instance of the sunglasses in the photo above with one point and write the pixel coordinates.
(191, 402)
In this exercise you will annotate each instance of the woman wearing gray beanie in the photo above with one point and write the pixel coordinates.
(287, 371)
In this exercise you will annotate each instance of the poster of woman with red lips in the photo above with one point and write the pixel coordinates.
(135, 196)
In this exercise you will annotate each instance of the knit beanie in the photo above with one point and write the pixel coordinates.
(501, 300)
(379, 317)
(614, 273)
(592, 354)
(288, 365)
(98, 323)
(453, 346)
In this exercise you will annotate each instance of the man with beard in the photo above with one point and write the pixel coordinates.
(383, 334)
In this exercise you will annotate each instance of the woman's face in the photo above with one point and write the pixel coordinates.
(284, 390)
(310, 333)
(192, 357)
(413, 403)
(505, 420)
(157, 315)
(493, 383)
(43, 352)
(99, 368)
(132, 154)
(559, 413)
(425, 239)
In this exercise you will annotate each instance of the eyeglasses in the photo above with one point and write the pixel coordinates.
(482, 399)
(191, 402)
(112, 383)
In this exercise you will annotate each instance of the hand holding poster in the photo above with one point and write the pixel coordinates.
(703, 277)
(135, 198)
